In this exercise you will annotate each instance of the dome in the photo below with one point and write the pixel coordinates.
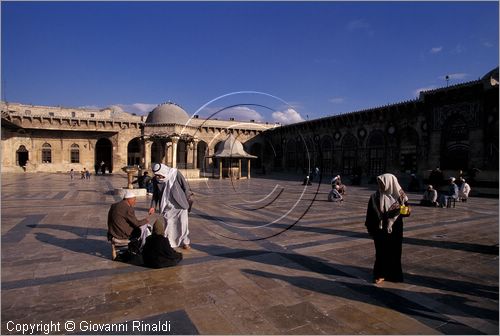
(167, 113)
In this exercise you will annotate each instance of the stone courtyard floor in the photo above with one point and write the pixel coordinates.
(269, 256)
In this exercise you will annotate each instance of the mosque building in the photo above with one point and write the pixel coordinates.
(454, 128)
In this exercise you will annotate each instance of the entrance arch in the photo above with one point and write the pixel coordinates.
(104, 153)
(157, 152)
(455, 147)
(22, 156)
(134, 152)
(202, 152)
(182, 152)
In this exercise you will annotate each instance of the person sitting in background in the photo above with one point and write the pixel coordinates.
(464, 191)
(157, 252)
(336, 181)
(334, 195)
(430, 197)
(452, 193)
(144, 181)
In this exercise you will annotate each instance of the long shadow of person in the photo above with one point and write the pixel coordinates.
(93, 247)
(395, 299)
(77, 230)
(325, 267)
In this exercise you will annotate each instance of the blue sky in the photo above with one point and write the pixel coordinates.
(322, 58)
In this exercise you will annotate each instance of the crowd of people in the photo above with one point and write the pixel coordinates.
(452, 193)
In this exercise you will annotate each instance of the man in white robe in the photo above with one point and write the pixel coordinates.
(174, 196)
(463, 192)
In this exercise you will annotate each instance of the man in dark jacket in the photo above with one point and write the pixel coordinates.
(122, 222)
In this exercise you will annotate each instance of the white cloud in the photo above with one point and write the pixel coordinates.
(358, 24)
(241, 113)
(90, 107)
(138, 108)
(117, 108)
(487, 44)
(336, 100)
(436, 50)
(288, 116)
(144, 107)
(416, 92)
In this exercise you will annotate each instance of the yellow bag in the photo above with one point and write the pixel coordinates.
(405, 211)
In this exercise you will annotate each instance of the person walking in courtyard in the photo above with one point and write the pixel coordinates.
(174, 204)
(385, 226)
(72, 173)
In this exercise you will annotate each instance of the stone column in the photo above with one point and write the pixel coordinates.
(248, 172)
(168, 155)
(175, 140)
(195, 153)
(239, 169)
(147, 153)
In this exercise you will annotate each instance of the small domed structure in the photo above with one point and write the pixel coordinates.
(232, 148)
(167, 113)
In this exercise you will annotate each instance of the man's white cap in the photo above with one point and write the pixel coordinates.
(156, 168)
(129, 194)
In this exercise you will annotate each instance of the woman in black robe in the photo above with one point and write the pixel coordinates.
(385, 226)
(157, 252)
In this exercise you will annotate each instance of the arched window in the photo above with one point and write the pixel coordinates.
(22, 156)
(455, 148)
(75, 153)
(202, 152)
(46, 153)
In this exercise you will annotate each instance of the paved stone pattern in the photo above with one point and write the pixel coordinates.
(269, 257)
